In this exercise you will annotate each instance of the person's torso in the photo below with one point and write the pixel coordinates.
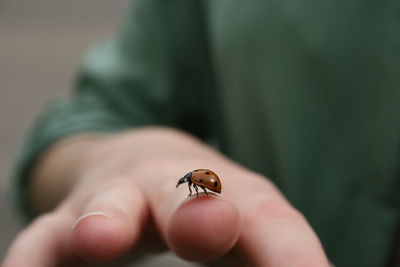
(309, 95)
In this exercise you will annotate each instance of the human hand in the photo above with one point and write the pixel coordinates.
(125, 203)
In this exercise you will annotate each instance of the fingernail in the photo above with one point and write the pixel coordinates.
(93, 213)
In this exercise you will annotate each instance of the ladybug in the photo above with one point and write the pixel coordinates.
(204, 179)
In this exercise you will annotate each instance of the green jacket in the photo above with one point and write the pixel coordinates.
(304, 92)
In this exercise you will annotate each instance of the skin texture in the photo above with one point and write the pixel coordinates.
(111, 198)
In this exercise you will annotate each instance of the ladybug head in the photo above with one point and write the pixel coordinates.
(184, 179)
(180, 181)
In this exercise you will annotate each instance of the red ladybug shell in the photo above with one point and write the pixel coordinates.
(208, 179)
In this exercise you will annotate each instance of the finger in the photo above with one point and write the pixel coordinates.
(200, 229)
(273, 233)
(42, 243)
(277, 235)
(110, 222)
(203, 228)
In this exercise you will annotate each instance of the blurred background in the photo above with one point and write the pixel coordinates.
(41, 45)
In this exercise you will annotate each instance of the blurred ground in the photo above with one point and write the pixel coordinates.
(41, 45)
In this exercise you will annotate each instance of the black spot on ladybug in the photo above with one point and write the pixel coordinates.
(200, 180)
(207, 173)
(215, 184)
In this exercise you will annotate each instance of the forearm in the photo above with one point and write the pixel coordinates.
(62, 166)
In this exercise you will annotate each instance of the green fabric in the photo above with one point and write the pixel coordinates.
(305, 92)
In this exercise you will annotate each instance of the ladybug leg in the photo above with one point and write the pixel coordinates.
(205, 191)
(197, 190)
(190, 189)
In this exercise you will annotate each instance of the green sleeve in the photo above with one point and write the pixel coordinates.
(153, 73)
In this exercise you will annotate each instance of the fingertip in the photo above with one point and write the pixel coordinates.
(99, 238)
(203, 228)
